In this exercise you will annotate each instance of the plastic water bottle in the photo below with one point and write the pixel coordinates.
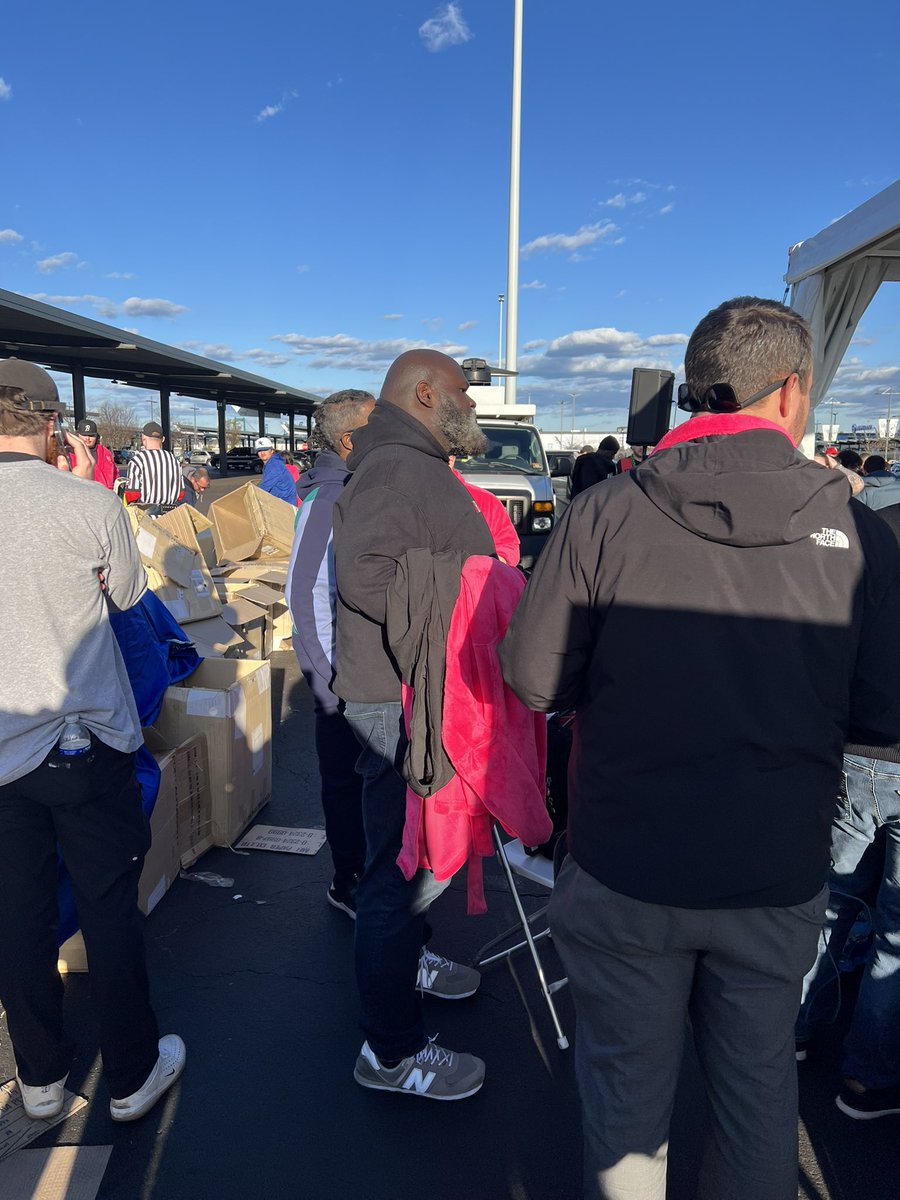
(75, 739)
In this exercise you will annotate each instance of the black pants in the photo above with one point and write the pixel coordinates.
(338, 750)
(94, 811)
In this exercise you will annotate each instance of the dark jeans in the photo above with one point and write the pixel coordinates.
(390, 911)
(638, 972)
(94, 811)
(338, 750)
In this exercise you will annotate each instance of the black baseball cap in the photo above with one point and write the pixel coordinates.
(87, 428)
(41, 394)
(152, 429)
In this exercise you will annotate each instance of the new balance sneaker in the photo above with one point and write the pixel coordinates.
(43, 1103)
(435, 1073)
(439, 976)
(869, 1103)
(169, 1065)
(801, 1049)
(342, 894)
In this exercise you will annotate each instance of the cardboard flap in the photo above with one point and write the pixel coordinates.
(238, 612)
(215, 634)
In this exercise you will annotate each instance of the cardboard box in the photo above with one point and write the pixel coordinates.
(185, 773)
(177, 571)
(215, 638)
(180, 830)
(188, 526)
(267, 599)
(249, 622)
(230, 701)
(251, 524)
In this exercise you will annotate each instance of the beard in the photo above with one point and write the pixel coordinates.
(460, 429)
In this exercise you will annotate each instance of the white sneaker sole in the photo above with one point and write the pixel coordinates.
(375, 1086)
(46, 1112)
(859, 1115)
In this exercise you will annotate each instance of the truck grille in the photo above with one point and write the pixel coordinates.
(517, 507)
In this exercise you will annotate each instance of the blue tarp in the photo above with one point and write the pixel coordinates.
(157, 653)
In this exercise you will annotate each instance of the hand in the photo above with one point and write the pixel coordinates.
(84, 459)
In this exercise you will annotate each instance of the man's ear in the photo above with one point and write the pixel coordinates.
(425, 394)
(347, 440)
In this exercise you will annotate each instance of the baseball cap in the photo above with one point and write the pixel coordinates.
(152, 429)
(87, 428)
(39, 388)
(263, 444)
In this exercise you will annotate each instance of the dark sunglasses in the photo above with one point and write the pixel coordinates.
(721, 397)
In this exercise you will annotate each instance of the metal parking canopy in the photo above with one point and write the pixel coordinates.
(59, 339)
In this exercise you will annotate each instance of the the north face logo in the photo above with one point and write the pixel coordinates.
(834, 538)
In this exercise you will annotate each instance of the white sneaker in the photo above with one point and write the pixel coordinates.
(43, 1103)
(169, 1065)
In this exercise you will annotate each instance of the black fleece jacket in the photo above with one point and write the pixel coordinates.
(403, 496)
(723, 619)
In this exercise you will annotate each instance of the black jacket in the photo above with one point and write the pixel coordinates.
(589, 469)
(722, 618)
(403, 496)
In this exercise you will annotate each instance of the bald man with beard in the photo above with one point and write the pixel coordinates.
(401, 497)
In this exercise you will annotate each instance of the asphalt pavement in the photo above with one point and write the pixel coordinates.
(258, 979)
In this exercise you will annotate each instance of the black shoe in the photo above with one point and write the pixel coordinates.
(868, 1104)
(342, 894)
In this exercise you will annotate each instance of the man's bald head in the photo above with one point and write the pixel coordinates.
(433, 388)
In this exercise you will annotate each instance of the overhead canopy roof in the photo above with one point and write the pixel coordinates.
(834, 276)
(56, 338)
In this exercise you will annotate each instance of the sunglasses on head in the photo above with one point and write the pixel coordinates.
(721, 397)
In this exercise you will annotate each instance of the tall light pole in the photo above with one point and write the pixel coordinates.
(512, 264)
(574, 396)
(887, 429)
(500, 298)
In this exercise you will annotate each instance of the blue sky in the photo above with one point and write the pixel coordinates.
(306, 190)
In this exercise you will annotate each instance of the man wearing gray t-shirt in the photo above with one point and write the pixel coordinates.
(69, 556)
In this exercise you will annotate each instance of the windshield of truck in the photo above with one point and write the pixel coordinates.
(515, 449)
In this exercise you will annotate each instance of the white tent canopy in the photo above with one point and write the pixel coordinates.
(834, 276)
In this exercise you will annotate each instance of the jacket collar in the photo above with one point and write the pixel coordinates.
(716, 425)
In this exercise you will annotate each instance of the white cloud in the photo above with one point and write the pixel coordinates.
(535, 345)
(446, 28)
(534, 286)
(5, 90)
(57, 262)
(134, 306)
(617, 201)
(119, 275)
(9, 237)
(266, 358)
(666, 209)
(586, 235)
(343, 352)
(217, 350)
(392, 317)
(271, 110)
(103, 306)
(466, 325)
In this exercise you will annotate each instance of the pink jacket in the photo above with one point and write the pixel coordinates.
(105, 469)
(497, 746)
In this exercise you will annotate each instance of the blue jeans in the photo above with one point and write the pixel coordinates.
(865, 852)
(390, 911)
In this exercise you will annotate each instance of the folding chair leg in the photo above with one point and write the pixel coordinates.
(561, 1040)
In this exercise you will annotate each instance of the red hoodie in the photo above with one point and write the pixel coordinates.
(105, 469)
(496, 745)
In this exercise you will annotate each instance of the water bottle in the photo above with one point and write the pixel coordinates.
(75, 739)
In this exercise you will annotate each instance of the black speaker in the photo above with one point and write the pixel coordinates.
(650, 407)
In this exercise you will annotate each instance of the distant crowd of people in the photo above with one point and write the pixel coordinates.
(733, 803)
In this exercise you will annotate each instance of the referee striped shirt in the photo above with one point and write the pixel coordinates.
(156, 475)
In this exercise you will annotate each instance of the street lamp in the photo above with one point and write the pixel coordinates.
(887, 429)
(574, 396)
(500, 298)
(512, 264)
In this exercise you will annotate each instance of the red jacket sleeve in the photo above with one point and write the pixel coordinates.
(105, 470)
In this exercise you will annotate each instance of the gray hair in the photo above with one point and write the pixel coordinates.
(748, 342)
(338, 414)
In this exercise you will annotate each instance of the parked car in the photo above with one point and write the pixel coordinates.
(198, 457)
(240, 458)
